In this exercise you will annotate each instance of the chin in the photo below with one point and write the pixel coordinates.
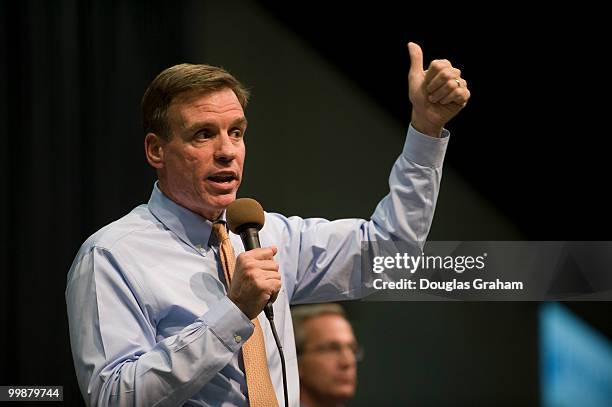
(223, 201)
(345, 392)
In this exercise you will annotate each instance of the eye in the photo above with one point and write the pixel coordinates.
(236, 133)
(203, 134)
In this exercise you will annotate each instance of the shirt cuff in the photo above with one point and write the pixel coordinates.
(425, 150)
(229, 324)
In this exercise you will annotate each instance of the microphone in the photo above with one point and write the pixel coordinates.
(245, 217)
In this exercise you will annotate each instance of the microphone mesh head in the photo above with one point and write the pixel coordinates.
(244, 211)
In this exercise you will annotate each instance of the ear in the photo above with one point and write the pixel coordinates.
(154, 150)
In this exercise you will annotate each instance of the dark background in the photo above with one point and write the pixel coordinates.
(528, 159)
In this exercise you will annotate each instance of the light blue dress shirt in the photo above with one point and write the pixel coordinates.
(150, 322)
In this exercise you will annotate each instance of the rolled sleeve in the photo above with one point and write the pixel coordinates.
(425, 150)
(229, 324)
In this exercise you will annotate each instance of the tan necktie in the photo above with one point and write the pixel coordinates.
(259, 384)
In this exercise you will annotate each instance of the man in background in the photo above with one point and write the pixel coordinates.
(327, 355)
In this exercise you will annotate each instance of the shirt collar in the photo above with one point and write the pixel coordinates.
(190, 227)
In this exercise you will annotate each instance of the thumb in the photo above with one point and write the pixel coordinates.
(416, 60)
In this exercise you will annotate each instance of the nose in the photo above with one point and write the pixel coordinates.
(225, 149)
(346, 357)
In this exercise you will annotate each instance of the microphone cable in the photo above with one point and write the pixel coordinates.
(270, 315)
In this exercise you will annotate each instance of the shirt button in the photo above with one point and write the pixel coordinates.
(237, 338)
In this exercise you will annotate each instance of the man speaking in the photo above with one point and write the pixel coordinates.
(165, 305)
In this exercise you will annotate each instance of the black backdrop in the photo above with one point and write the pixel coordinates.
(532, 143)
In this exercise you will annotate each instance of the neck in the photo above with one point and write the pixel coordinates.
(309, 399)
(211, 215)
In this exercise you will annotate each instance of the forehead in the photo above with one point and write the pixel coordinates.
(328, 327)
(190, 107)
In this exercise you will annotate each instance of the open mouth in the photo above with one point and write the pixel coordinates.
(222, 178)
(223, 181)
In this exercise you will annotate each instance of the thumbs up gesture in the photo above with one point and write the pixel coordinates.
(437, 94)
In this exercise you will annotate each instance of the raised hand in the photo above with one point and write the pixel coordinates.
(437, 94)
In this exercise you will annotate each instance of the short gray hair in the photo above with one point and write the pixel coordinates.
(302, 313)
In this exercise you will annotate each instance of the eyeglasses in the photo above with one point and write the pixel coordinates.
(335, 349)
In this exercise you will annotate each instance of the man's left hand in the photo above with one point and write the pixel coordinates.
(437, 94)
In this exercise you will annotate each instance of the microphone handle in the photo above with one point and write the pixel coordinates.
(250, 240)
